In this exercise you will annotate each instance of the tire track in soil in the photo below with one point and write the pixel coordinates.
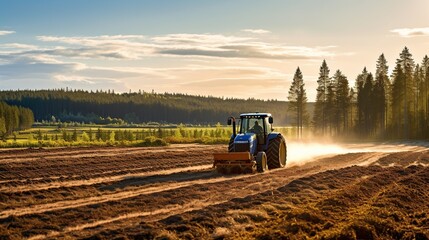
(107, 172)
(155, 215)
(53, 153)
(88, 167)
(93, 181)
(23, 155)
(348, 203)
(60, 205)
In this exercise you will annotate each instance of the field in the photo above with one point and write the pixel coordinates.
(67, 135)
(358, 191)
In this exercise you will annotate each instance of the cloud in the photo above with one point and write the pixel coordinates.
(234, 83)
(198, 39)
(256, 31)
(252, 50)
(196, 45)
(234, 47)
(230, 52)
(105, 46)
(73, 78)
(28, 66)
(92, 41)
(17, 46)
(411, 32)
(248, 49)
(85, 52)
(40, 71)
(2, 33)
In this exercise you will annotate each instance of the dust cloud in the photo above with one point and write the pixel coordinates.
(301, 152)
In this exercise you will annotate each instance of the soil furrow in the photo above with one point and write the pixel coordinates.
(147, 192)
(98, 180)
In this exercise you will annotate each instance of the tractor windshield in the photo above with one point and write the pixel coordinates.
(252, 125)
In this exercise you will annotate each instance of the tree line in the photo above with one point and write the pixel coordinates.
(13, 118)
(103, 135)
(105, 107)
(378, 106)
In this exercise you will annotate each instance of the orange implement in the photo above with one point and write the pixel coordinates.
(234, 162)
(232, 156)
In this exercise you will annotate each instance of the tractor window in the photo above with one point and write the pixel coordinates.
(267, 126)
(252, 125)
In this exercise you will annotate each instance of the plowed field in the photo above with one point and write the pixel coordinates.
(360, 192)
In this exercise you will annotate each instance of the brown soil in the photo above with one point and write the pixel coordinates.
(173, 193)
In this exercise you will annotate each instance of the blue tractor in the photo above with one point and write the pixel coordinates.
(255, 148)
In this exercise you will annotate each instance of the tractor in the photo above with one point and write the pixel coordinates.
(255, 148)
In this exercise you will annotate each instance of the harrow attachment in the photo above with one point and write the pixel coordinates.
(234, 162)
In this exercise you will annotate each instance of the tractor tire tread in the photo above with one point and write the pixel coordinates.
(260, 163)
(273, 156)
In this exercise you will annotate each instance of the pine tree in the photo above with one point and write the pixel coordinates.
(353, 107)
(418, 102)
(330, 109)
(380, 101)
(406, 63)
(398, 101)
(425, 94)
(359, 84)
(320, 111)
(365, 102)
(342, 99)
(298, 100)
(381, 74)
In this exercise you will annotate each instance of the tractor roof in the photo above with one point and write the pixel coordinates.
(255, 115)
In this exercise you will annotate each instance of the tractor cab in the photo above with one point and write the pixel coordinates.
(257, 123)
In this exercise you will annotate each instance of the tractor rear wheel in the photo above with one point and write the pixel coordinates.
(276, 153)
(261, 162)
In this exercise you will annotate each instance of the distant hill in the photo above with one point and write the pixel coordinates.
(84, 106)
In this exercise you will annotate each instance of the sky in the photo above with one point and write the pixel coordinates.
(223, 48)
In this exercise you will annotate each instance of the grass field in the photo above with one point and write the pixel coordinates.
(106, 135)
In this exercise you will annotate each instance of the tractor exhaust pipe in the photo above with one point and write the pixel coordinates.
(231, 120)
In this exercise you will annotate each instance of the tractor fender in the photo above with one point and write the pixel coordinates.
(270, 137)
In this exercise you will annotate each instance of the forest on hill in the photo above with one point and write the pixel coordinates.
(104, 107)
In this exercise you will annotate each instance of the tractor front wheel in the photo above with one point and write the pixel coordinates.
(261, 162)
(276, 153)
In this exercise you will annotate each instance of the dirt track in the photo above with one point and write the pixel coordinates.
(172, 192)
